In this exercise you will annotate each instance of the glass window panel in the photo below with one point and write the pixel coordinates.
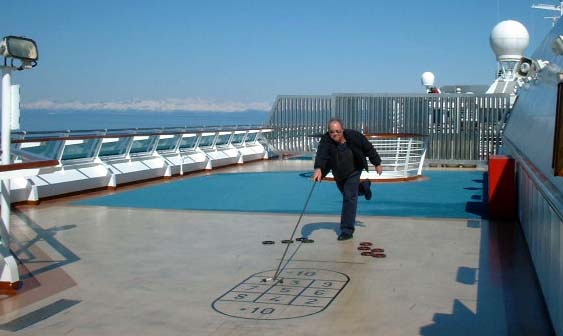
(237, 138)
(115, 148)
(48, 149)
(222, 139)
(80, 151)
(206, 141)
(167, 144)
(188, 143)
(251, 137)
(142, 146)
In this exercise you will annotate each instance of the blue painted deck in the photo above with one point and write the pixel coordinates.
(454, 194)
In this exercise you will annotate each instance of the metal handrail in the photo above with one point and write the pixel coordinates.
(171, 131)
(30, 161)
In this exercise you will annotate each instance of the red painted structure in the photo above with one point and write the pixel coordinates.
(502, 187)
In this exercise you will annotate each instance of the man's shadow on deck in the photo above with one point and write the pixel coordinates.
(308, 229)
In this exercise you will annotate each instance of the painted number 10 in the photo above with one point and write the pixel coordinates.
(306, 273)
(263, 311)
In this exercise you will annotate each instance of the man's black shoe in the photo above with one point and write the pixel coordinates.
(345, 236)
(366, 186)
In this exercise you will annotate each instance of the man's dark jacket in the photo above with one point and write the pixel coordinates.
(357, 142)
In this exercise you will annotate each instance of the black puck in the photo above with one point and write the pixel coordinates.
(307, 241)
(287, 241)
(364, 248)
(268, 242)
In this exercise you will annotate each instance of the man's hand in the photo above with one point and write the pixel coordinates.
(379, 169)
(318, 175)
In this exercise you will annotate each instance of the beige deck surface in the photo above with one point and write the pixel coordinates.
(119, 271)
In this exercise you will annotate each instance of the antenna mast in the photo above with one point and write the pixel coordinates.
(557, 8)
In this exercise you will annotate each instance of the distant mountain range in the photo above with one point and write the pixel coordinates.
(68, 119)
(166, 105)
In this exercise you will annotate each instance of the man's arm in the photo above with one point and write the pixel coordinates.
(372, 154)
(370, 151)
(321, 159)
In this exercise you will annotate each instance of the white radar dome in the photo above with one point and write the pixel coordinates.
(427, 79)
(509, 39)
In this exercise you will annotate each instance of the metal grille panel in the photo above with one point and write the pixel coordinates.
(459, 127)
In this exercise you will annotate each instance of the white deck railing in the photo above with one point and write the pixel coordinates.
(102, 159)
(402, 156)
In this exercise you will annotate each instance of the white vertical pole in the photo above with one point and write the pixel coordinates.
(15, 107)
(6, 124)
(10, 269)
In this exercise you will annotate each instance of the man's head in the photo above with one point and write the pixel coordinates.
(336, 130)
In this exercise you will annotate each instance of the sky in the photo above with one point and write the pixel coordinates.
(240, 54)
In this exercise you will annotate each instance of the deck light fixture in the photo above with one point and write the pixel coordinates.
(20, 48)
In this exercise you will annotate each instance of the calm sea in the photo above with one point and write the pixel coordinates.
(55, 120)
